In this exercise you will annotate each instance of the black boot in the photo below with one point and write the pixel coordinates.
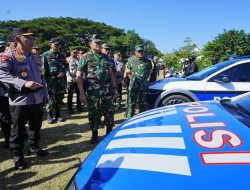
(59, 117)
(50, 119)
(80, 109)
(6, 141)
(38, 151)
(70, 110)
(108, 129)
(94, 138)
(19, 162)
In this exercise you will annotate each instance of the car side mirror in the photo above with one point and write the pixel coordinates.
(224, 79)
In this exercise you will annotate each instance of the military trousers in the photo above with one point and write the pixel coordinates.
(21, 115)
(135, 92)
(5, 119)
(98, 106)
(56, 96)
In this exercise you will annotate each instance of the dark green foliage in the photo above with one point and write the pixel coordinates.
(229, 42)
(73, 32)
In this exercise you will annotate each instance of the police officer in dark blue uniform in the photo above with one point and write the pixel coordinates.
(27, 94)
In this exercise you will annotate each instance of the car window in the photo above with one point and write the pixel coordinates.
(244, 101)
(238, 73)
(239, 107)
(210, 70)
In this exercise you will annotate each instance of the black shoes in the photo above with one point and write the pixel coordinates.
(38, 151)
(70, 111)
(50, 119)
(19, 163)
(79, 109)
(60, 119)
(108, 129)
(94, 138)
(6, 143)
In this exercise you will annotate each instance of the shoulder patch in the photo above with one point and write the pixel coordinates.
(5, 57)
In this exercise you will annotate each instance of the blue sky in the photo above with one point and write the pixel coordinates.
(165, 22)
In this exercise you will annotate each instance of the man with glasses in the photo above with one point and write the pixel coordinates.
(138, 69)
(27, 93)
(55, 70)
(97, 69)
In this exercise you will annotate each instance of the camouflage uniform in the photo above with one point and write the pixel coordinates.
(98, 89)
(54, 63)
(138, 86)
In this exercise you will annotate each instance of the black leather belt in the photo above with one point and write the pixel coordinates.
(26, 90)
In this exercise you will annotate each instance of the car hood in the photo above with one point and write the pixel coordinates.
(188, 146)
(173, 82)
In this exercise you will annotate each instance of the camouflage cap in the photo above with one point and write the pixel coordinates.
(106, 46)
(96, 38)
(73, 49)
(22, 31)
(139, 48)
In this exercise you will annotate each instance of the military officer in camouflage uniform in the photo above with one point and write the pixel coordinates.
(97, 92)
(55, 69)
(27, 94)
(138, 69)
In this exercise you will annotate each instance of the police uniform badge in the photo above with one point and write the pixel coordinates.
(24, 72)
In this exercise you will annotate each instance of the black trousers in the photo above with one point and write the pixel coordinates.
(20, 116)
(119, 90)
(71, 87)
(5, 120)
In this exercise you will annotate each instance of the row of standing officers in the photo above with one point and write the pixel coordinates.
(32, 85)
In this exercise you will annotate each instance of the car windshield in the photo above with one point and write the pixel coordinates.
(210, 70)
(239, 107)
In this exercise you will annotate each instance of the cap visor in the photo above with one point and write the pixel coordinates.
(96, 40)
(139, 49)
(28, 34)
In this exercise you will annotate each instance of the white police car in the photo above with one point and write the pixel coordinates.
(223, 80)
(197, 145)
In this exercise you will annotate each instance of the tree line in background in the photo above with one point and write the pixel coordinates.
(229, 42)
(73, 32)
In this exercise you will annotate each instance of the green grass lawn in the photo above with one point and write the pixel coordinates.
(68, 145)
